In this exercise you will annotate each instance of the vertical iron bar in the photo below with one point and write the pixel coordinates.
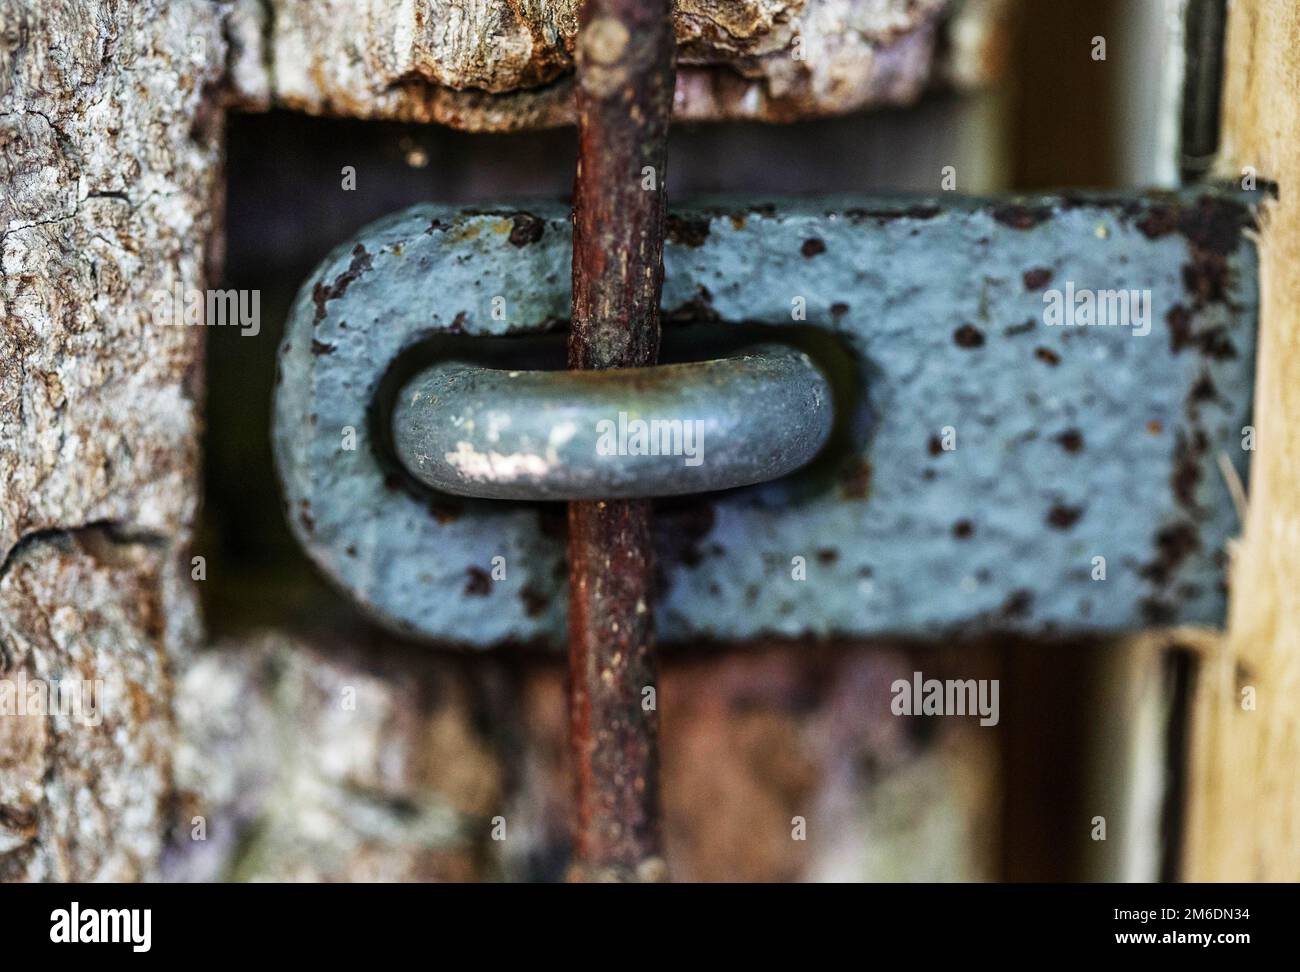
(1205, 25)
(625, 61)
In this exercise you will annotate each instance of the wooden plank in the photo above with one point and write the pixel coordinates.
(109, 148)
(1244, 821)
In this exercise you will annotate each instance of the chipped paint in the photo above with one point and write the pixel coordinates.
(495, 467)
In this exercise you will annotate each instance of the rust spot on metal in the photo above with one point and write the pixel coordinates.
(698, 308)
(444, 512)
(856, 481)
(1206, 277)
(1189, 449)
(1037, 278)
(1211, 224)
(1071, 440)
(1243, 675)
(535, 603)
(1018, 604)
(963, 529)
(321, 347)
(882, 216)
(1021, 217)
(526, 229)
(1047, 356)
(812, 247)
(1157, 612)
(321, 294)
(1213, 229)
(611, 663)
(553, 522)
(1159, 221)
(1213, 342)
(687, 231)
(478, 583)
(1174, 544)
(1179, 320)
(968, 336)
(1063, 517)
(1203, 390)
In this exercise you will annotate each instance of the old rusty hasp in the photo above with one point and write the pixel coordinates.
(984, 459)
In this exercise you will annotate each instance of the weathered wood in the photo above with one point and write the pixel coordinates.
(442, 768)
(109, 142)
(336, 759)
(1245, 804)
(495, 65)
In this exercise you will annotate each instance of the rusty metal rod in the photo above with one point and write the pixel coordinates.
(625, 61)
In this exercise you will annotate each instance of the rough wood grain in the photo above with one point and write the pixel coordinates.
(109, 142)
(499, 65)
(89, 797)
(1245, 809)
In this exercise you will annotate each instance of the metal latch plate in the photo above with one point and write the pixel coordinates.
(993, 458)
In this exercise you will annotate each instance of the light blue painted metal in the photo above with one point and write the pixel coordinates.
(1069, 443)
(502, 433)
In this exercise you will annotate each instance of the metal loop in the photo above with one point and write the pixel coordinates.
(751, 416)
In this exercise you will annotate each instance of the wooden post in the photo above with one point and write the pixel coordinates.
(110, 141)
(1244, 814)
